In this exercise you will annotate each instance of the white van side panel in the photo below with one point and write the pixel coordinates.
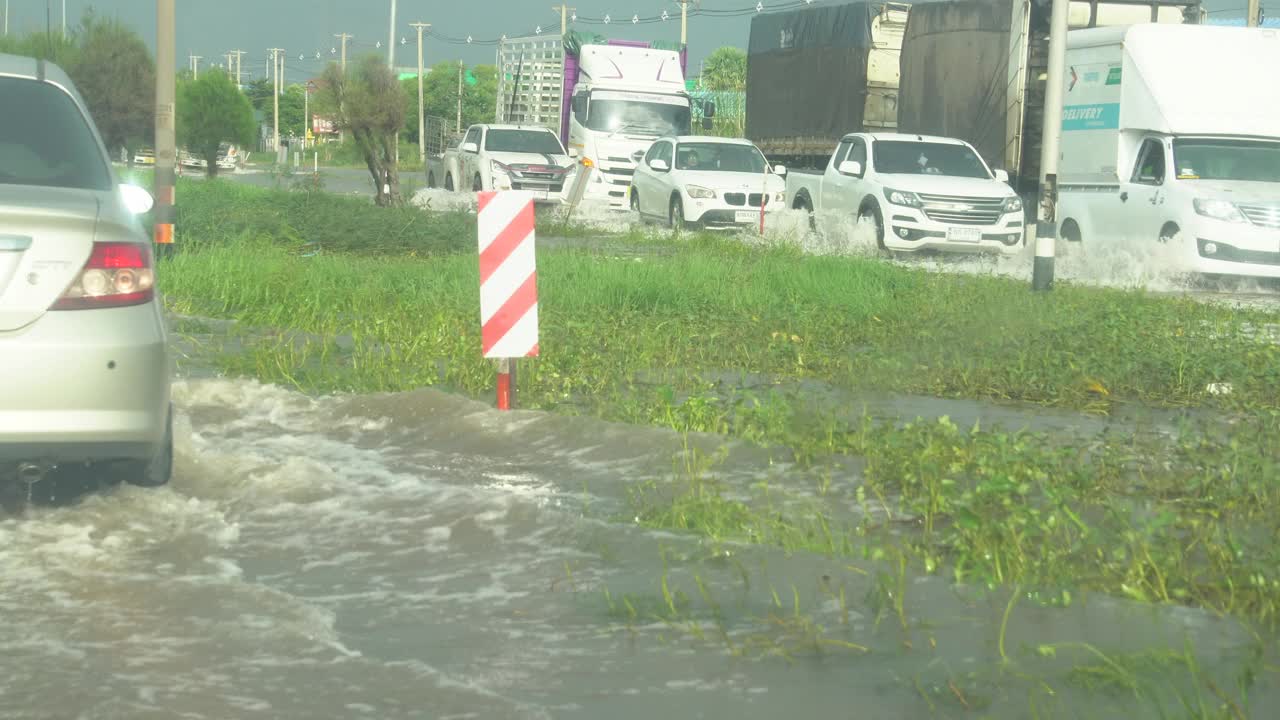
(1091, 110)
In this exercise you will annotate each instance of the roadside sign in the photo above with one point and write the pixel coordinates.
(508, 282)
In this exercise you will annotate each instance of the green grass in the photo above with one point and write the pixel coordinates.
(654, 331)
(705, 305)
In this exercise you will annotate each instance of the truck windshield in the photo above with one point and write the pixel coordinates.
(45, 140)
(902, 157)
(1214, 159)
(645, 118)
(724, 157)
(523, 141)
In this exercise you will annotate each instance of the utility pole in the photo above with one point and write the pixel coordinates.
(459, 129)
(239, 77)
(1047, 221)
(306, 111)
(195, 66)
(564, 16)
(422, 118)
(6, 17)
(684, 22)
(166, 142)
(275, 96)
(64, 18)
(344, 37)
(1255, 13)
(391, 43)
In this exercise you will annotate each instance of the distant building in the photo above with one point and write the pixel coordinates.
(538, 62)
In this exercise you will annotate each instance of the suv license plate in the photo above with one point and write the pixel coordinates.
(746, 216)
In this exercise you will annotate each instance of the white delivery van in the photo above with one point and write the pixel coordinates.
(1171, 140)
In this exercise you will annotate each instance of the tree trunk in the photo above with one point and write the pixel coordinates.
(379, 157)
(211, 164)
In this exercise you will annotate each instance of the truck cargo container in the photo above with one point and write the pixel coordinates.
(817, 73)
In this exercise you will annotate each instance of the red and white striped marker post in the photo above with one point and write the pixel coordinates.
(508, 284)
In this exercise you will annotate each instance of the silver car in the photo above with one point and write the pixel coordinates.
(84, 360)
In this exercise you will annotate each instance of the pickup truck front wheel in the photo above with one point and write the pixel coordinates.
(448, 182)
(871, 214)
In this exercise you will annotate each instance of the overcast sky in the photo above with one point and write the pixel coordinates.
(305, 27)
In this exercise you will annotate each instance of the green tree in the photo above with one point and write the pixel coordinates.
(259, 92)
(62, 51)
(369, 103)
(293, 105)
(116, 76)
(440, 95)
(211, 111)
(725, 69)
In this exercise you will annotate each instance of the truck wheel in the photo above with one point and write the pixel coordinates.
(1168, 232)
(448, 182)
(675, 215)
(871, 213)
(477, 185)
(635, 204)
(802, 204)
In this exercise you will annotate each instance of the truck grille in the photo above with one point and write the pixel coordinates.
(740, 199)
(1267, 216)
(959, 210)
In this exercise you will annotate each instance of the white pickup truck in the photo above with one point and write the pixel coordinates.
(921, 193)
(505, 157)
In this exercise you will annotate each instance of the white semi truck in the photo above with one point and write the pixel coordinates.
(616, 98)
(1169, 147)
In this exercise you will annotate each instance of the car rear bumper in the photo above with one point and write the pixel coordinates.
(84, 386)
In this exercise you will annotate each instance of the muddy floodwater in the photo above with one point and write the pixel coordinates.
(419, 555)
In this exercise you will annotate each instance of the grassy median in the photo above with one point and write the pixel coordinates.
(706, 335)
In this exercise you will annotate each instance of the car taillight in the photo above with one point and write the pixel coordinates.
(116, 275)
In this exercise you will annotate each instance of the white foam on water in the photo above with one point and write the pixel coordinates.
(442, 200)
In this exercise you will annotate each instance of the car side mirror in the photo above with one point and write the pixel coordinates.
(780, 170)
(706, 122)
(659, 165)
(470, 147)
(1002, 175)
(709, 109)
(850, 167)
(137, 200)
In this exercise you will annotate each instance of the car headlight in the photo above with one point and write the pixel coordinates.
(699, 192)
(899, 197)
(499, 169)
(1012, 204)
(1219, 210)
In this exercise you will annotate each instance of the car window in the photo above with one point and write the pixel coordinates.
(45, 140)
(473, 136)
(663, 152)
(903, 157)
(721, 157)
(522, 141)
(1150, 167)
(654, 149)
(842, 151)
(858, 152)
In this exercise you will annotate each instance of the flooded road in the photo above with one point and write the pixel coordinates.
(419, 555)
